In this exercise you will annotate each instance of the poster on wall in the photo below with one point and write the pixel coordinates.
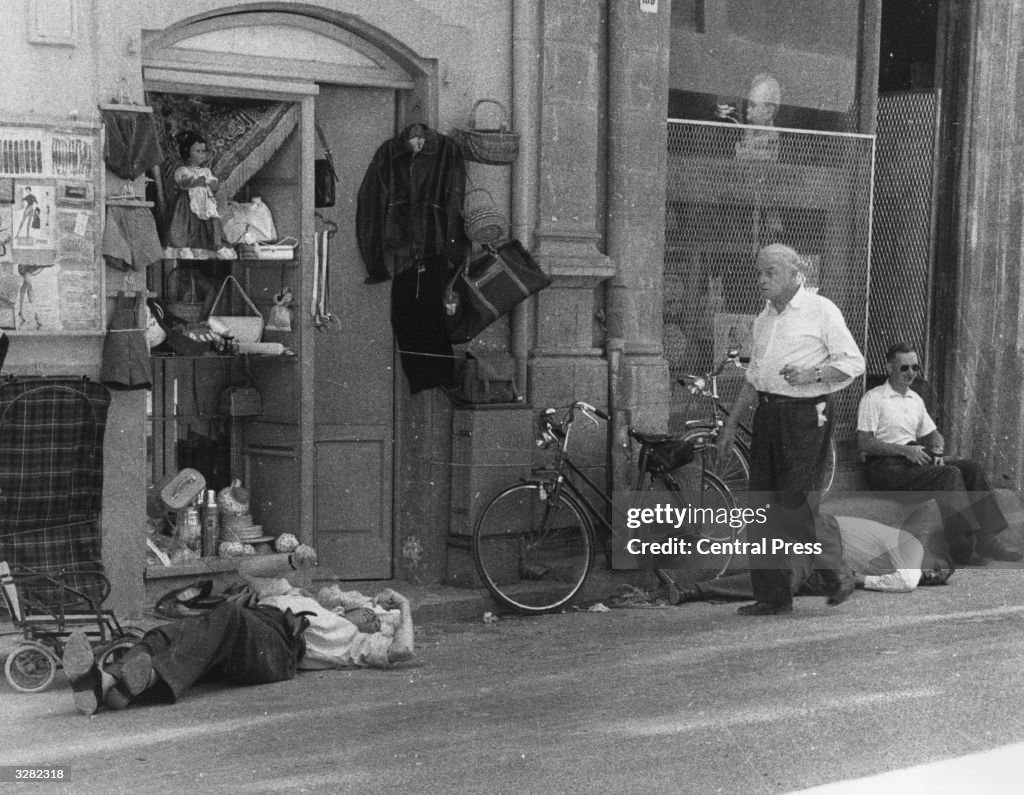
(50, 279)
(32, 218)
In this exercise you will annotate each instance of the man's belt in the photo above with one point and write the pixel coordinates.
(771, 397)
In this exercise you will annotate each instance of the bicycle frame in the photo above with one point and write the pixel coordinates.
(563, 471)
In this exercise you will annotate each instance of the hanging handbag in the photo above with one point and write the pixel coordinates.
(248, 222)
(486, 377)
(488, 286)
(243, 328)
(325, 178)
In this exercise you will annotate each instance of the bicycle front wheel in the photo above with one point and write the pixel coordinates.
(533, 550)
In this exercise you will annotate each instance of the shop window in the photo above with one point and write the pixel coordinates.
(722, 53)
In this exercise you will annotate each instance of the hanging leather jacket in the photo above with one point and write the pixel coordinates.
(411, 202)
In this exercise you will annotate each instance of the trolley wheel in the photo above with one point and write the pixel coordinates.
(112, 652)
(133, 632)
(533, 550)
(31, 668)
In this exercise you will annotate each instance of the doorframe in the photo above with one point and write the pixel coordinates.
(168, 68)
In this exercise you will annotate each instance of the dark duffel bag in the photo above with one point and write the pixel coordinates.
(488, 286)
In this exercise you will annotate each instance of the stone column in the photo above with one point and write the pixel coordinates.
(984, 419)
(638, 43)
(568, 361)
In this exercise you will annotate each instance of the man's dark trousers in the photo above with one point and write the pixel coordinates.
(238, 645)
(962, 492)
(788, 452)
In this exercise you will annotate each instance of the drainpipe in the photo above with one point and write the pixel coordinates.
(616, 290)
(525, 177)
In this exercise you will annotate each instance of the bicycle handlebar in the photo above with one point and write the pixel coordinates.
(552, 429)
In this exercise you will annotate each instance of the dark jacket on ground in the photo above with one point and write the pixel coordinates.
(411, 203)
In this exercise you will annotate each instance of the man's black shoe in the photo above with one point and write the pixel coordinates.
(990, 548)
(764, 609)
(843, 590)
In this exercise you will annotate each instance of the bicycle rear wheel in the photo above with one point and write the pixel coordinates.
(713, 529)
(533, 550)
(734, 471)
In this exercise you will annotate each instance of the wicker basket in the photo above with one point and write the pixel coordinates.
(483, 222)
(494, 147)
(185, 295)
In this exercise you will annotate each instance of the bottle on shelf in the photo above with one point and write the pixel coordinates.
(211, 524)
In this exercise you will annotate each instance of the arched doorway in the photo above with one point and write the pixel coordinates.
(319, 459)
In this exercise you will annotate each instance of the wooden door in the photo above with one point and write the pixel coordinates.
(354, 383)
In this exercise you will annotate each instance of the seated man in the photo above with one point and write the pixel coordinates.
(904, 452)
(882, 558)
(245, 644)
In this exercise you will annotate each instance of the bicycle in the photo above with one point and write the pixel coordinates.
(734, 472)
(534, 542)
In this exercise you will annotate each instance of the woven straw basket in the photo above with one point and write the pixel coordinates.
(483, 222)
(494, 147)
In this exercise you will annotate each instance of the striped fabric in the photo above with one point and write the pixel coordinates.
(51, 473)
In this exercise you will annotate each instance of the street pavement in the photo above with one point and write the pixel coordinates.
(909, 693)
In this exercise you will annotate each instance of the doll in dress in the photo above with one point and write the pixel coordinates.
(195, 230)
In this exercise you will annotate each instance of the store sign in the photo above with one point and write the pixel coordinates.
(649, 6)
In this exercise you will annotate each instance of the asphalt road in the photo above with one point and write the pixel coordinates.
(687, 699)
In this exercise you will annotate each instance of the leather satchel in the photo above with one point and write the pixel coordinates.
(487, 286)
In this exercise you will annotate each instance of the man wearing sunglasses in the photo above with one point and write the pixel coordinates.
(903, 450)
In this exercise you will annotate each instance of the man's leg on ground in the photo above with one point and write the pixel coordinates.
(988, 518)
(244, 645)
(943, 483)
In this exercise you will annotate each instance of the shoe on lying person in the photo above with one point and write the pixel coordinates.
(844, 589)
(764, 609)
(136, 675)
(993, 550)
(88, 683)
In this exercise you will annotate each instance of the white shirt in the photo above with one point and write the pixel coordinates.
(889, 558)
(332, 641)
(808, 332)
(893, 417)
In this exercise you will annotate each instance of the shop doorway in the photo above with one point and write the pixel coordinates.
(319, 458)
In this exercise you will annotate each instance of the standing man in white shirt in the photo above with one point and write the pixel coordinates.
(904, 452)
(803, 352)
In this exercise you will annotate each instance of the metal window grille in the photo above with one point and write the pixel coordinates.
(733, 189)
(903, 240)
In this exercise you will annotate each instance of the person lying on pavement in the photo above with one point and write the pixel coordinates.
(267, 638)
(881, 557)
